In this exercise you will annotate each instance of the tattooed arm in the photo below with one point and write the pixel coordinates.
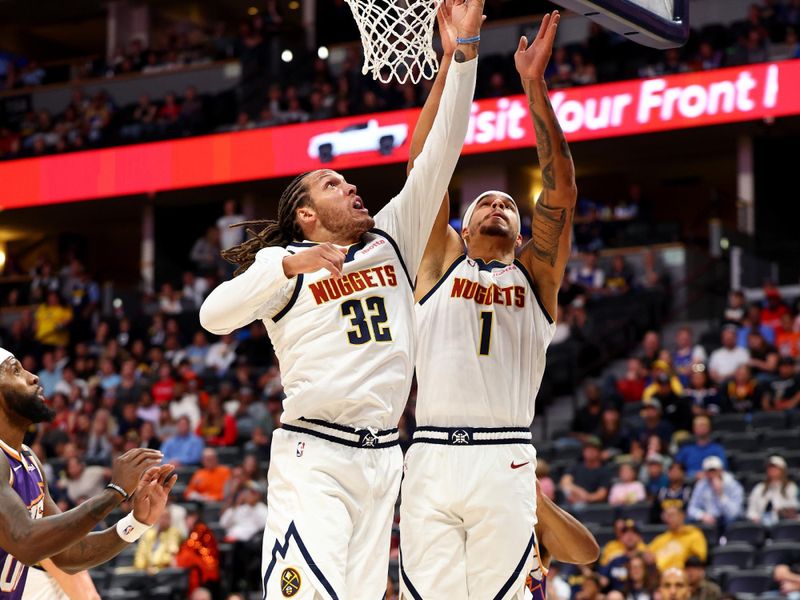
(546, 255)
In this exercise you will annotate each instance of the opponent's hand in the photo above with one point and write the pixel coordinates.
(322, 256)
(151, 495)
(531, 61)
(466, 16)
(128, 468)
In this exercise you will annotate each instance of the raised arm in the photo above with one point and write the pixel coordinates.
(32, 540)
(444, 243)
(546, 255)
(410, 216)
(149, 501)
(562, 536)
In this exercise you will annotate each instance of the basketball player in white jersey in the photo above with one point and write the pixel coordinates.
(484, 321)
(338, 308)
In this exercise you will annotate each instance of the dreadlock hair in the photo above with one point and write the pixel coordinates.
(273, 233)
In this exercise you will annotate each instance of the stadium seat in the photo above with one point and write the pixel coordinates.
(639, 512)
(229, 455)
(739, 555)
(746, 532)
(129, 580)
(732, 423)
(751, 462)
(786, 531)
(176, 580)
(597, 513)
(781, 440)
(100, 577)
(779, 553)
(125, 558)
(769, 421)
(711, 533)
(748, 441)
(756, 581)
(719, 574)
(212, 511)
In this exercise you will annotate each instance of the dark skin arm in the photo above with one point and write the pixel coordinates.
(561, 536)
(98, 547)
(547, 253)
(32, 540)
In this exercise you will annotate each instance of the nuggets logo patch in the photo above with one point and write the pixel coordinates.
(290, 582)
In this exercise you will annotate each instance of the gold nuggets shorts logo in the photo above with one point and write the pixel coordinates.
(290, 582)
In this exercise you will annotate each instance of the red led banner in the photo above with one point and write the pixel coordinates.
(598, 111)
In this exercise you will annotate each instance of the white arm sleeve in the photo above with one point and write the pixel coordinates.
(249, 296)
(410, 215)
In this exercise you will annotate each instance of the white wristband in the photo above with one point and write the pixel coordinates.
(129, 529)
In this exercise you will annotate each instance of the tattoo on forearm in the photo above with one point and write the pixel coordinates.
(94, 549)
(459, 55)
(543, 143)
(548, 176)
(548, 223)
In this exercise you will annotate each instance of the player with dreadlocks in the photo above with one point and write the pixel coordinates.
(334, 288)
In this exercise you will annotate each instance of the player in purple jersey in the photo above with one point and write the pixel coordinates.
(559, 536)
(32, 527)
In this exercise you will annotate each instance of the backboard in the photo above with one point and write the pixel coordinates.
(654, 23)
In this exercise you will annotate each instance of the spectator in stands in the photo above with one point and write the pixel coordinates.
(674, 585)
(217, 428)
(588, 482)
(692, 455)
(612, 433)
(590, 588)
(783, 392)
(186, 401)
(686, 354)
(740, 393)
(546, 484)
(672, 548)
(654, 475)
(164, 388)
(736, 309)
(205, 252)
(717, 498)
(185, 447)
(774, 498)
(143, 120)
(707, 57)
(619, 278)
(49, 375)
(628, 489)
(642, 578)
(763, 357)
(702, 394)
(259, 444)
(700, 588)
(653, 424)
(627, 541)
(53, 321)
(632, 385)
(676, 493)
(773, 309)
(99, 446)
(723, 361)
(584, 73)
(190, 117)
(674, 405)
(230, 236)
(80, 482)
(589, 275)
(221, 355)
(244, 523)
(787, 337)
(587, 418)
(752, 324)
(651, 348)
(168, 115)
(201, 593)
(788, 580)
(159, 546)
(208, 483)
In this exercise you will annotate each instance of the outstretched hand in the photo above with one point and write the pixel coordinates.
(150, 498)
(466, 16)
(447, 31)
(531, 61)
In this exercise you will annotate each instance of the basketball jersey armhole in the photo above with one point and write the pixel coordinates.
(442, 279)
(292, 299)
(391, 240)
(529, 279)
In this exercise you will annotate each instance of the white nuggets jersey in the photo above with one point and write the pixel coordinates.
(482, 335)
(363, 376)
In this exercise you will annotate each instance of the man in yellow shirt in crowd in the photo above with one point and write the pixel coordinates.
(672, 548)
(159, 546)
(628, 540)
(52, 321)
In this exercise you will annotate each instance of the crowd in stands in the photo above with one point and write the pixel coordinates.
(272, 94)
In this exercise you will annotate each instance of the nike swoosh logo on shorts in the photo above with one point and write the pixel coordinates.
(517, 466)
(18, 467)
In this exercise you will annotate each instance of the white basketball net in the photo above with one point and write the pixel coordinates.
(397, 37)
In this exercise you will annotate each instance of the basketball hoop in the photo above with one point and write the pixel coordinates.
(397, 36)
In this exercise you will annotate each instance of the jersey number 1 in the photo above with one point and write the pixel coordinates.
(363, 331)
(486, 332)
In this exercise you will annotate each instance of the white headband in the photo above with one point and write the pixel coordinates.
(471, 208)
(5, 355)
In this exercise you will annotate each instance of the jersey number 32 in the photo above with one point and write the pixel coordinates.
(368, 318)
